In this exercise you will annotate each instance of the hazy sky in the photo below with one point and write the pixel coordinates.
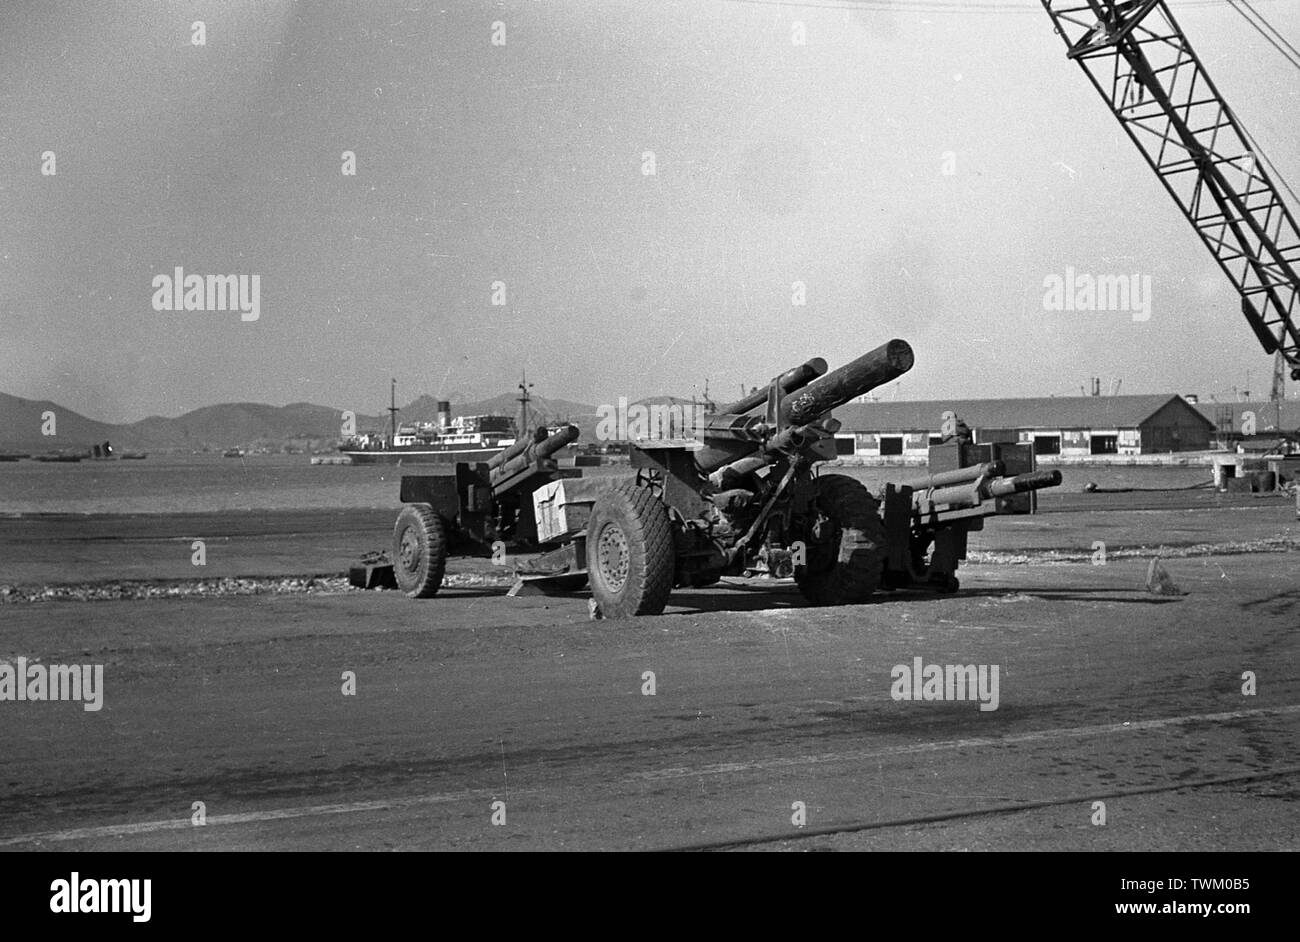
(523, 163)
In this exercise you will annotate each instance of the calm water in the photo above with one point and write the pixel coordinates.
(290, 482)
(168, 484)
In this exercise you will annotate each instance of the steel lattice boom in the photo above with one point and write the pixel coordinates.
(1139, 60)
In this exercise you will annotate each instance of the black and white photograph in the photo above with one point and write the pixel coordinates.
(650, 425)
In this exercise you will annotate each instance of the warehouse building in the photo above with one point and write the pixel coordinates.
(1235, 422)
(1066, 426)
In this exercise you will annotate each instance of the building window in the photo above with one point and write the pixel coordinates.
(1105, 444)
(935, 440)
(1047, 444)
(891, 444)
(844, 444)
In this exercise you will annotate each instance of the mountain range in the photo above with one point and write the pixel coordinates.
(301, 425)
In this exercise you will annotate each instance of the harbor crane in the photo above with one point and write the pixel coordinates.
(1140, 61)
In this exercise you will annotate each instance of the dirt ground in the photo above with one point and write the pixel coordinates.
(771, 725)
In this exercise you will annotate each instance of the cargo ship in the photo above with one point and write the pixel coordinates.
(469, 438)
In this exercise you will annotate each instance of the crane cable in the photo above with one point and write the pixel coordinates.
(985, 6)
(1293, 60)
(1292, 56)
(945, 6)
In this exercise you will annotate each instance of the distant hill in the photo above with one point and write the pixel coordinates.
(21, 421)
(234, 424)
(244, 424)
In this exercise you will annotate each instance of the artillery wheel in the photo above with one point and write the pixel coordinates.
(846, 564)
(630, 555)
(419, 551)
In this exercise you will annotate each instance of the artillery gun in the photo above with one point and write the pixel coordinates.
(737, 494)
(480, 507)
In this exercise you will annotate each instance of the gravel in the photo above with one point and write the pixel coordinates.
(133, 589)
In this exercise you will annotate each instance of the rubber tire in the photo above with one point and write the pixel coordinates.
(647, 532)
(860, 562)
(420, 575)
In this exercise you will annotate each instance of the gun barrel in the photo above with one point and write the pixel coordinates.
(563, 437)
(1030, 481)
(518, 448)
(875, 368)
(956, 496)
(744, 428)
(789, 381)
(537, 450)
(956, 476)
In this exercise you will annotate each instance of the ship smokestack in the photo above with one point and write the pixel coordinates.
(444, 415)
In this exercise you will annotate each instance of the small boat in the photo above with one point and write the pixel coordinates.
(106, 452)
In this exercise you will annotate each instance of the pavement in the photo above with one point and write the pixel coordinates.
(741, 718)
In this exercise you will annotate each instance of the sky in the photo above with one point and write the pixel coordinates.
(919, 169)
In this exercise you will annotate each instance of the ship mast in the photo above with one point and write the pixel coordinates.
(392, 410)
(523, 400)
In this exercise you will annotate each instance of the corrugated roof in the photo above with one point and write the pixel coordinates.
(1048, 413)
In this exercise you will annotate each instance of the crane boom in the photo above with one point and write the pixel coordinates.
(1141, 63)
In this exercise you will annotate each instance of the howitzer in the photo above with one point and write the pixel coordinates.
(927, 520)
(742, 497)
(474, 511)
(739, 496)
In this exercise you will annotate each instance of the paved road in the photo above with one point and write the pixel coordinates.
(1105, 693)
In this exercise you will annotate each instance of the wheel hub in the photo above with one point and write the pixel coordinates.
(823, 543)
(410, 550)
(612, 556)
